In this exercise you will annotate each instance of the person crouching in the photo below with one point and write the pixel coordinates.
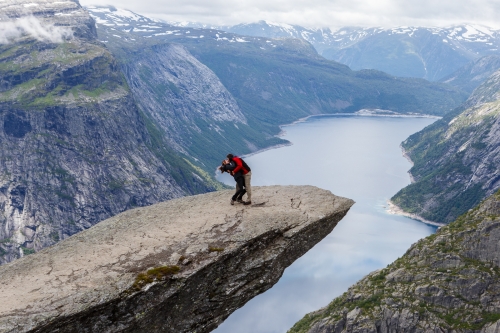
(247, 175)
(229, 166)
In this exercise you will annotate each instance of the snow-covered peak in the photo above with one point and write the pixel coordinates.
(111, 16)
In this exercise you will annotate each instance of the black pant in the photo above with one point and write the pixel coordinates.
(242, 190)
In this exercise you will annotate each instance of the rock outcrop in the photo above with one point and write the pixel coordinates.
(447, 282)
(178, 266)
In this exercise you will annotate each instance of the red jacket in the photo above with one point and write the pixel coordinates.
(239, 165)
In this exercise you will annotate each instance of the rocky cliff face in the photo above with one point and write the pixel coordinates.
(75, 148)
(447, 282)
(178, 266)
(456, 159)
(187, 100)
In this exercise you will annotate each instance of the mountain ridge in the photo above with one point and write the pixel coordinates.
(400, 51)
(456, 158)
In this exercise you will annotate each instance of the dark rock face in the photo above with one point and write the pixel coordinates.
(447, 282)
(16, 125)
(75, 147)
(178, 266)
(456, 160)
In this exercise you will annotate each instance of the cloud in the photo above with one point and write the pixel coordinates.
(31, 26)
(319, 13)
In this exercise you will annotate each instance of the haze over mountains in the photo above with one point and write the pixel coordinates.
(429, 53)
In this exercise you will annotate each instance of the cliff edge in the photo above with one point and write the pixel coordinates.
(179, 266)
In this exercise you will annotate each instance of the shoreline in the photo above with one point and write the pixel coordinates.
(280, 145)
(360, 113)
(396, 210)
(405, 155)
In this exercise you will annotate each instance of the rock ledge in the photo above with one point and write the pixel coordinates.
(179, 266)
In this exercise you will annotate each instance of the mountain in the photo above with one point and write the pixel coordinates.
(456, 159)
(75, 147)
(447, 282)
(198, 114)
(429, 53)
(319, 38)
(277, 81)
(470, 76)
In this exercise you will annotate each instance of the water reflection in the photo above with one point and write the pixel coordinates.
(354, 157)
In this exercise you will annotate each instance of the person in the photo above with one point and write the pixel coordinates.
(247, 175)
(229, 166)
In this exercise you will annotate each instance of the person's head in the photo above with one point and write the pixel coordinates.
(230, 157)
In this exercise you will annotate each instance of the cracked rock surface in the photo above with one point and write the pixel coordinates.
(179, 266)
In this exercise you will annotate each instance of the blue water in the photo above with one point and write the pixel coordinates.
(352, 156)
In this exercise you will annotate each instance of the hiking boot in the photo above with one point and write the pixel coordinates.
(240, 201)
(247, 203)
(232, 202)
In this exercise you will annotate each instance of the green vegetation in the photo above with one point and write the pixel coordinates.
(443, 164)
(215, 249)
(181, 171)
(27, 251)
(154, 274)
(6, 241)
(54, 236)
(38, 83)
(206, 177)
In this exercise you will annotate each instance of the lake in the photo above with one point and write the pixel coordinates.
(352, 156)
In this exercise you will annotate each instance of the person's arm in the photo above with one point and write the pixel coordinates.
(239, 166)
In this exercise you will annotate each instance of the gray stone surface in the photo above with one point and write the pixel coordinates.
(182, 95)
(225, 255)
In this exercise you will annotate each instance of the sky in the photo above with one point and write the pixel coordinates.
(318, 13)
